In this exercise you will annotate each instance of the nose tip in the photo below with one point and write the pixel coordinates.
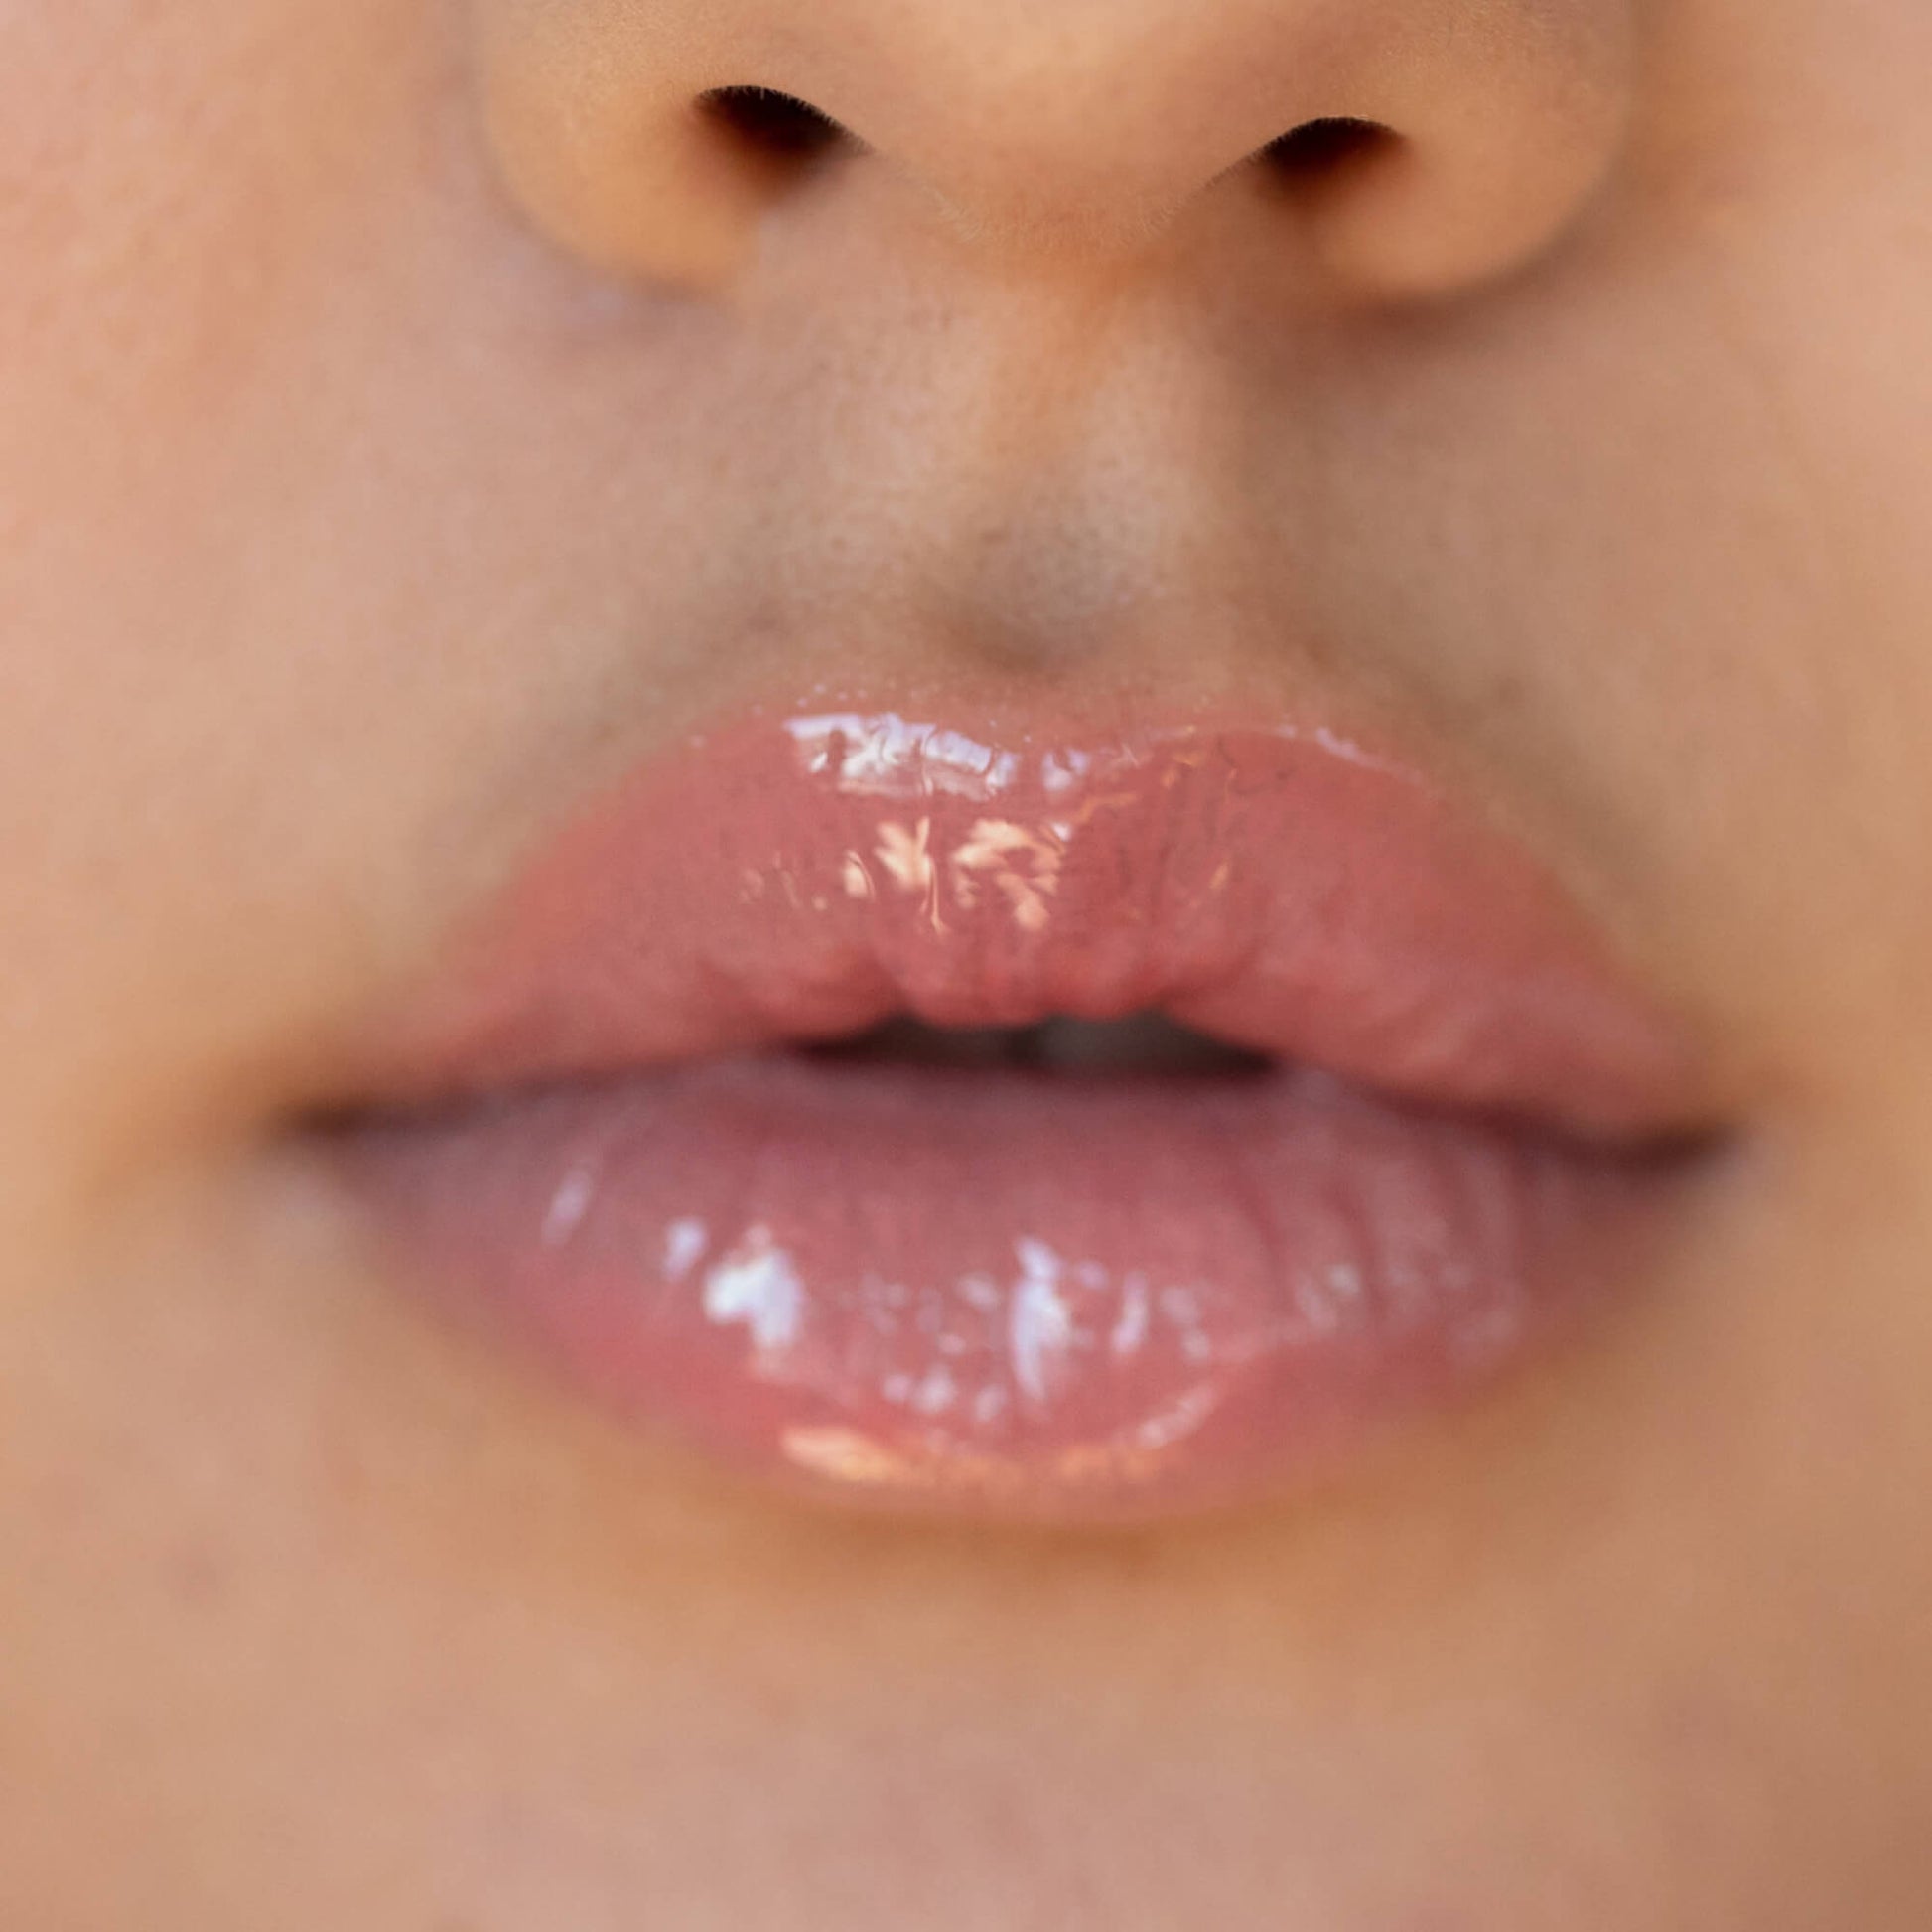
(1412, 146)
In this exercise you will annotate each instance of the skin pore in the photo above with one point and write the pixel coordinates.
(413, 414)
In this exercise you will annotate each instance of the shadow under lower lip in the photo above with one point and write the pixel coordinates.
(1030, 1296)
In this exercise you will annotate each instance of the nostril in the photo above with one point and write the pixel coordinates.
(776, 126)
(1323, 146)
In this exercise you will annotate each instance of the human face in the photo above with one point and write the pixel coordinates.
(422, 424)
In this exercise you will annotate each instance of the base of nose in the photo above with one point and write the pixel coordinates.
(1412, 154)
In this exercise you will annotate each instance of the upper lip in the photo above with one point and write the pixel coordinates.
(1280, 887)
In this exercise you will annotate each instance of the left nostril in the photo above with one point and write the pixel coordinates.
(778, 127)
(1321, 147)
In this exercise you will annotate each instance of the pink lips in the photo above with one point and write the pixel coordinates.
(1076, 1294)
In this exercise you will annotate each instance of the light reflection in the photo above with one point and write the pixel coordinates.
(991, 849)
(757, 1286)
(685, 1242)
(1020, 866)
(971, 1369)
(1039, 1325)
(1136, 1312)
(884, 756)
(907, 854)
(940, 1463)
(1012, 862)
(568, 1205)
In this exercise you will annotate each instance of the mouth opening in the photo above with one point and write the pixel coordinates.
(1145, 1043)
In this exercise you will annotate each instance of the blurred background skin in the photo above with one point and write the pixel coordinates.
(406, 419)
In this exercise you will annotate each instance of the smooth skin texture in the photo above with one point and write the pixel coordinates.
(410, 415)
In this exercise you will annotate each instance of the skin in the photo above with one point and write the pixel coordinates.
(406, 421)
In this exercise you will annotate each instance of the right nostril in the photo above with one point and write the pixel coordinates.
(776, 125)
(1319, 147)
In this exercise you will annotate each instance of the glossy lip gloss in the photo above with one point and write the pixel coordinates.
(1078, 1295)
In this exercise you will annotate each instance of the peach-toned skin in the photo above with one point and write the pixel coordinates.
(415, 417)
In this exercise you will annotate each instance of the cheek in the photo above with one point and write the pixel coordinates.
(1780, 751)
(176, 189)
(169, 181)
(181, 188)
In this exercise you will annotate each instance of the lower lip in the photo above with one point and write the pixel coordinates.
(1010, 1295)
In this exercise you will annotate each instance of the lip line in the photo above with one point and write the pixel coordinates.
(1675, 1146)
(437, 1043)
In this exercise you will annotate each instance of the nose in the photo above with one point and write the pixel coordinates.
(1413, 147)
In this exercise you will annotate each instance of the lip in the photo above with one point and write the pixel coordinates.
(1077, 1296)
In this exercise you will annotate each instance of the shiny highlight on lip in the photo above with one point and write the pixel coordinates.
(1087, 1295)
